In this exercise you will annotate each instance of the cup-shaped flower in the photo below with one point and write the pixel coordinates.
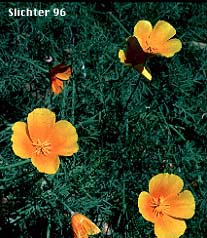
(135, 57)
(157, 40)
(83, 226)
(44, 140)
(58, 74)
(166, 206)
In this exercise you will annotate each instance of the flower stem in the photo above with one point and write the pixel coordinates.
(15, 165)
(132, 93)
(69, 209)
(32, 62)
(48, 227)
(73, 102)
(121, 25)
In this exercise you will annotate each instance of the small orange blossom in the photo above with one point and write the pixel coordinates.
(157, 40)
(58, 74)
(43, 140)
(166, 206)
(83, 226)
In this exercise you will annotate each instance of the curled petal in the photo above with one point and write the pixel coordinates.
(168, 227)
(65, 74)
(64, 138)
(143, 70)
(41, 123)
(146, 74)
(122, 56)
(56, 85)
(182, 206)
(22, 145)
(134, 53)
(46, 164)
(165, 184)
(142, 31)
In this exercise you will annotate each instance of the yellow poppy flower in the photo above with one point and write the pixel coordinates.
(157, 40)
(166, 206)
(43, 140)
(83, 226)
(135, 57)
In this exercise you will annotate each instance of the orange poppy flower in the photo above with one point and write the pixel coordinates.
(157, 40)
(166, 206)
(43, 140)
(58, 74)
(83, 226)
(135, 57)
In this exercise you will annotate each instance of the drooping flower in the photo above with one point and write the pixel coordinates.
(58, 74)
(157, 40)
(166, 206)
(135, 57)
(43, 140)
(83, 226)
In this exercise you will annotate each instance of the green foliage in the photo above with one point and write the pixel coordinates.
(163, 128)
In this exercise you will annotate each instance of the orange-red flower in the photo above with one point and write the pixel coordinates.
(58, 74)
(83, 226)
(166, 206)
(157, 40)
(135, 57)
(43, 140)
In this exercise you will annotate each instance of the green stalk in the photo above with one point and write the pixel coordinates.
(15, 165)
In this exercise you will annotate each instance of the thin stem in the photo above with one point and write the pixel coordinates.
(15, 165)
(48, 227)
(127, 103)
(69, 209)
(121, 25)
(73, 102)
(132, 93)
(32, 62)
(64, 204)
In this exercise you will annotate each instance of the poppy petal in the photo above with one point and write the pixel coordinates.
(142, 31)
(22, 145)
(134, 53)
(169, 48)
(143, 70)
(41, 122)
(146, 74)
(161, 32)
(64, 138)
(145, 208)
(83, 226)
(56, 85)
(168, 227)
(78, 230)
(46, 164)
(80, 233)
(182, 206)
(165, 185)
(90, 227)
(122, 56)
(64, 75)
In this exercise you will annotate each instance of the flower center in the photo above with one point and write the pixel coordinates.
(150, 49)
(43, 148)
(160, 206)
